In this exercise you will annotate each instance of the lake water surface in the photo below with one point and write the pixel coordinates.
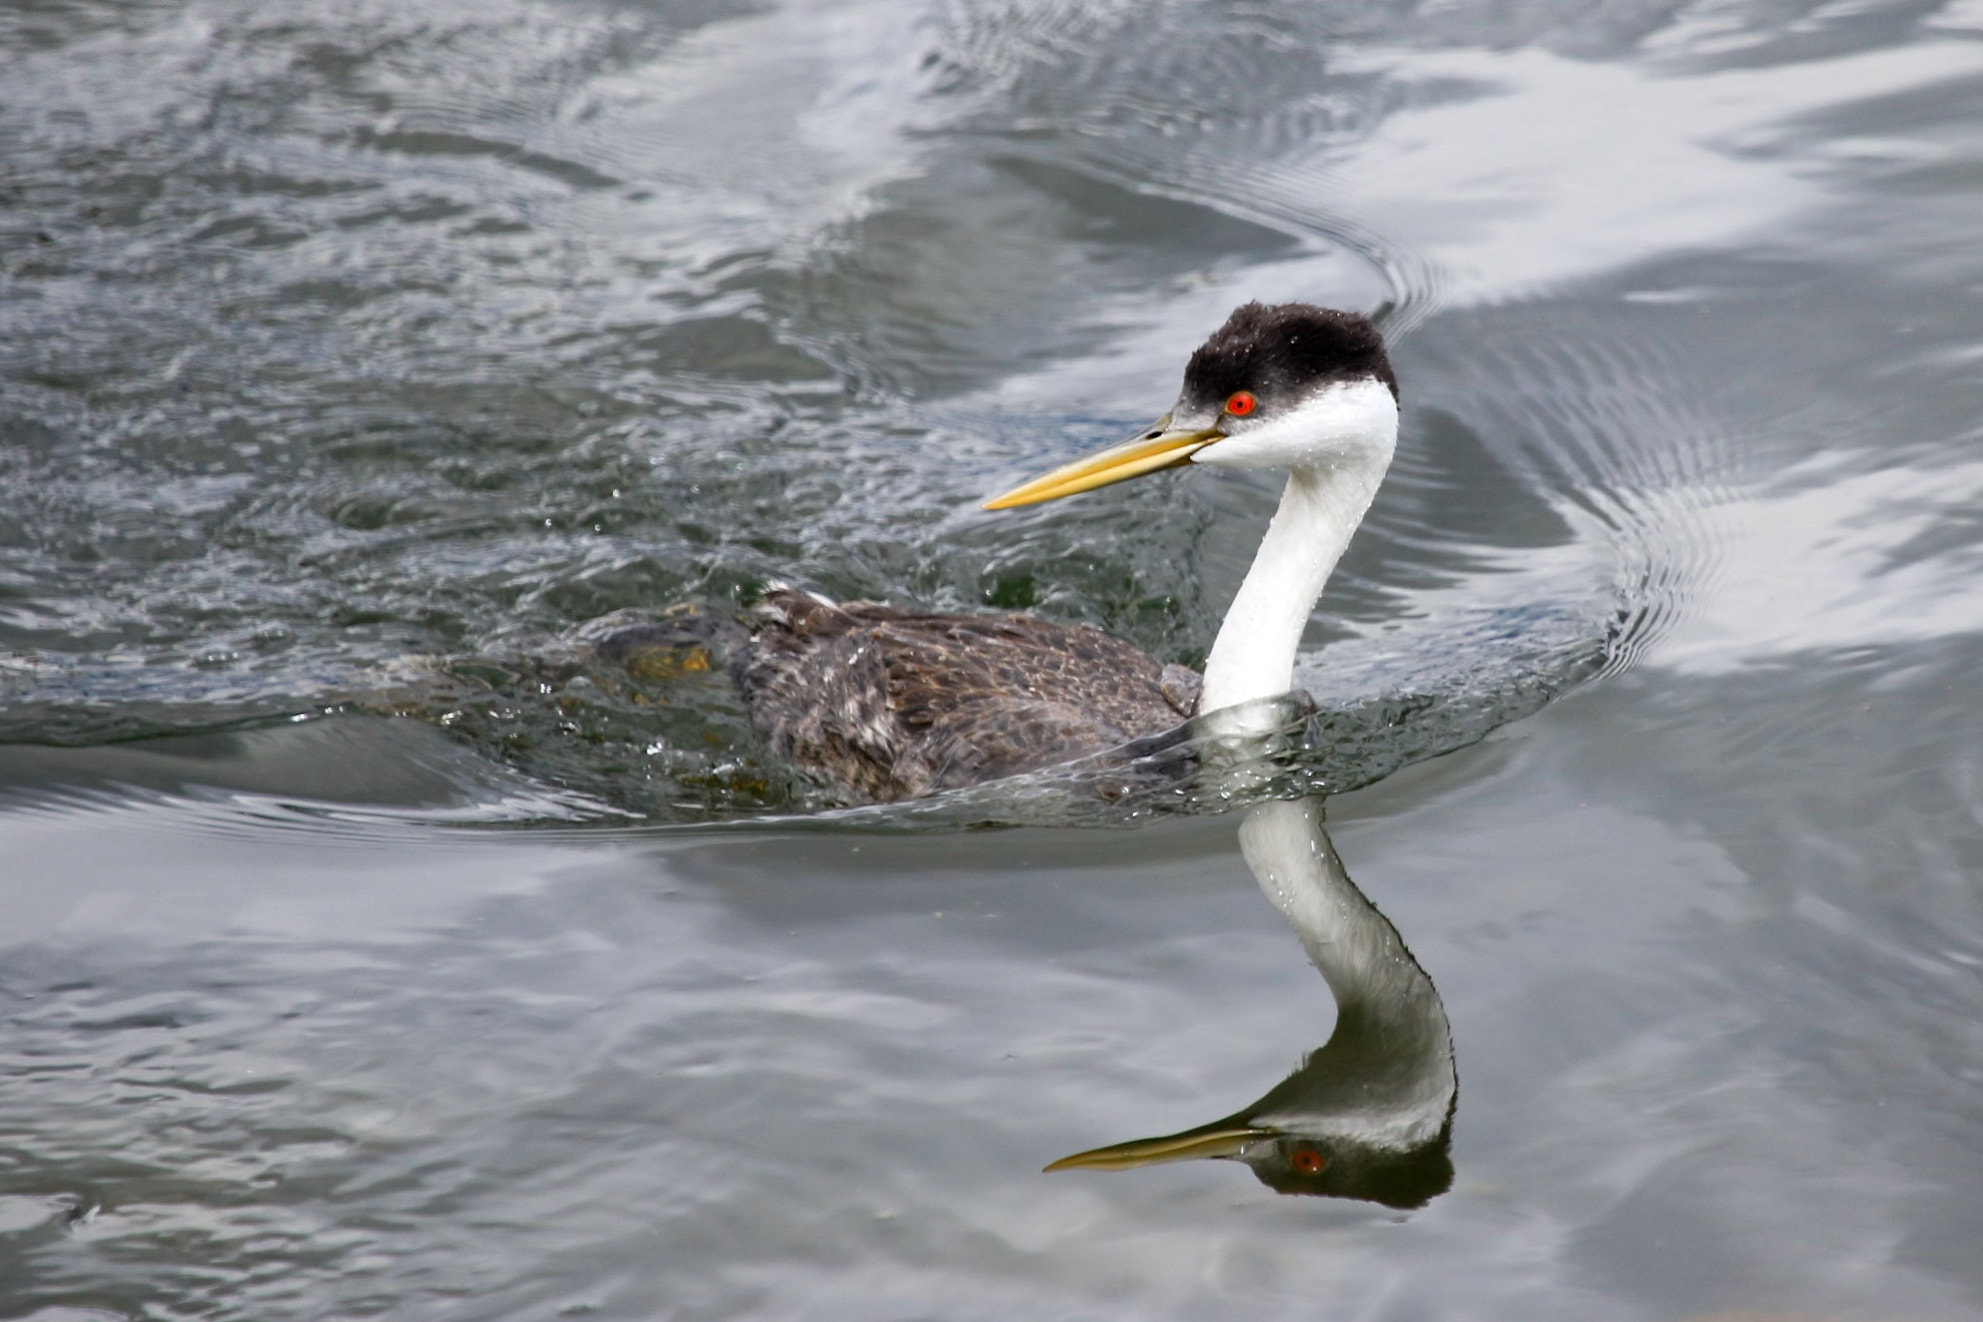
(363, 955)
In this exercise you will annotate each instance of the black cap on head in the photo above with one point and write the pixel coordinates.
(1283, 353)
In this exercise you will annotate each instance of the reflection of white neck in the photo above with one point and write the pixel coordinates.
(1335, 449)
(1386, 1074)
(1357, 951)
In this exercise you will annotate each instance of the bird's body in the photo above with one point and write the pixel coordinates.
(893, 703)
(890, 703)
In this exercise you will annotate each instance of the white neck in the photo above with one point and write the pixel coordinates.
(1254, 654)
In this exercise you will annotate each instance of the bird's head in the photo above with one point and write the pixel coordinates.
(1288, 386)
(1325, 1161)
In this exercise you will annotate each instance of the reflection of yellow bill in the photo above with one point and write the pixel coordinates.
(1225, 1140)
(1118, 463)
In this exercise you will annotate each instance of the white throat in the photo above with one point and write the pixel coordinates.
(1336, 449)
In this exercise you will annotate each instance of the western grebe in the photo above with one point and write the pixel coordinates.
(893, 703)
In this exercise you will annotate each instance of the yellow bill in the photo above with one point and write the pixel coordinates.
(1227, 1140)
(1118, 463)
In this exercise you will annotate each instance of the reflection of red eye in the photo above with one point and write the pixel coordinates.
(1308, 1161)
(1241, 404)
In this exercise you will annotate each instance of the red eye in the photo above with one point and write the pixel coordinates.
(1241, 404)
(1308, 1161)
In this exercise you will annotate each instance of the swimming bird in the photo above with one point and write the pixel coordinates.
(890, 703)
(1370, 1113)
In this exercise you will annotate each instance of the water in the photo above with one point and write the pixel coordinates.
(361, 956)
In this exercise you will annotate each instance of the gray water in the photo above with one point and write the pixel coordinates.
(362, 956)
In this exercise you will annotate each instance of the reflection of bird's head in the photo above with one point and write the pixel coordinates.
(1344, 1169)
(1369, 1115)
(1332, 1164)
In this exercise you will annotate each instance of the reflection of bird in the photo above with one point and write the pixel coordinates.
(1369, 1115)
(892, 703)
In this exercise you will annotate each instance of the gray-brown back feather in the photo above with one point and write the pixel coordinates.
(892, 703)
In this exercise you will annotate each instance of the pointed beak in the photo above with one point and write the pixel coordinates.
(1221, 1139)
(1159, 448)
